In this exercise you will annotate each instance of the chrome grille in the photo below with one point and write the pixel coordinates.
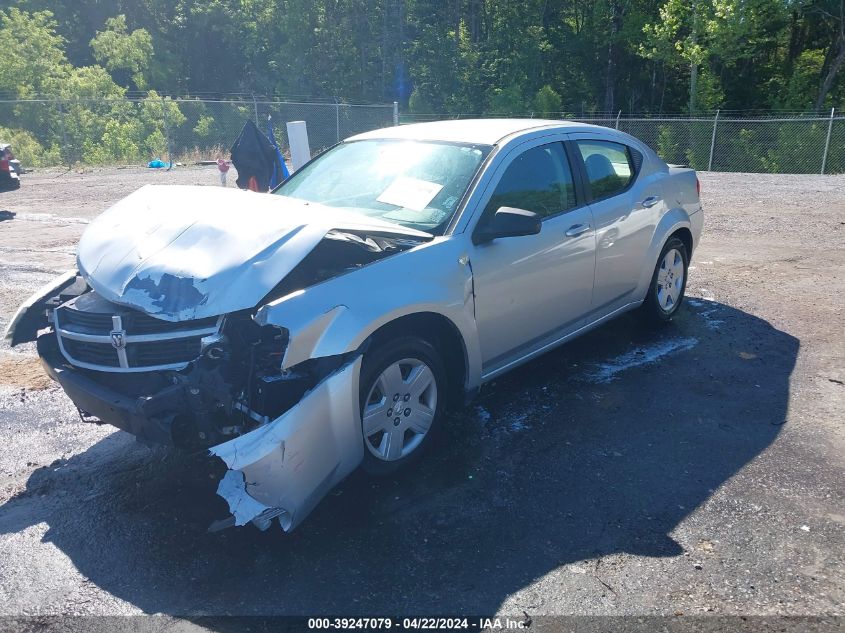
(96, 334)
(84, 321)
(180, 350)
(134, 322)
(91, 353)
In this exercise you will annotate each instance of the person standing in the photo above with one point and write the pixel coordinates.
(223, 167)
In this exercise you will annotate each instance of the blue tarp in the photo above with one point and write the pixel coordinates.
(280, 170)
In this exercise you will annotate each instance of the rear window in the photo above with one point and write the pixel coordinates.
(610, 168)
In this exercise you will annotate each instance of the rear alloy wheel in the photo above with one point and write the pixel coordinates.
(402, 391)
(668, 283)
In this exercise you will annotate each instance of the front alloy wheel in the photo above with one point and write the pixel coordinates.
(400, 402)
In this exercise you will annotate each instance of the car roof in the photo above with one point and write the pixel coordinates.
(481, 131)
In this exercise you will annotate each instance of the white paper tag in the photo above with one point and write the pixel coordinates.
(410, 193)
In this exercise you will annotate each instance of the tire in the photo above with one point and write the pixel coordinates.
(408, 371)
(664, 299)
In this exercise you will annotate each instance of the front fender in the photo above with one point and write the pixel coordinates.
(671, 221)
(337, 316)
(30, 316)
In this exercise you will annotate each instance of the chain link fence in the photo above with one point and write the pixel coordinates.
(799, 144)
(48, 132)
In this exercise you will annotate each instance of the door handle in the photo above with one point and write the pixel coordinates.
(650, 202)
(577, 229)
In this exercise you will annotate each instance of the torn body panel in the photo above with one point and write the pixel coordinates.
(286, 467)
(31, 316)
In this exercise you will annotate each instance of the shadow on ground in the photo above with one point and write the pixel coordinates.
(546, 468)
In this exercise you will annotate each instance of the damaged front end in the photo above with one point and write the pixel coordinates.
(285, 467)
(288, 436)
(191, 384)
(145, 358)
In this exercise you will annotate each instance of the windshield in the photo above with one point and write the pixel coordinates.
(412, 183)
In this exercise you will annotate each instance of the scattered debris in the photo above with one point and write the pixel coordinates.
(526, 623)
(597, 577)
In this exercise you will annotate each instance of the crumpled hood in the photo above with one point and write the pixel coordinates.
(182, 253)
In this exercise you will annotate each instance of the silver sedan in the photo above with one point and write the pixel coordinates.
(327, 326)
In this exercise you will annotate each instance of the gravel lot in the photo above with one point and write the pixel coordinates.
(694, 470)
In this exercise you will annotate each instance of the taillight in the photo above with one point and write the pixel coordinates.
(698, 186)
(4, 165)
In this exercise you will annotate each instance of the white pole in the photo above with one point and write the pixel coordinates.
(619, 114)
(827, 142)
(713, 141)
(395, 113)
(166, 130)
(300, 152)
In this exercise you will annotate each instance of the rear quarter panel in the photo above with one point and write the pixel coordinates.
(682, 210)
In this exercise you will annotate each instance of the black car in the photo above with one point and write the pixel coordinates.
(10, 169)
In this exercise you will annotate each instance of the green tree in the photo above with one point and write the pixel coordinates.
(678, 37)
(547, 102)
(33, 55)
(123, 52)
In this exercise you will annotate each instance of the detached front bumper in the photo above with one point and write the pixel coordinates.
(147, 417)
(284, 468)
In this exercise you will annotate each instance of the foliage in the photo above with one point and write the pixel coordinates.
(668, 144)
(547, 102)
(90, 119)
(27, 149)
(33, 57)
(118, 50)
(456, 57)
(461, 57)
(507, 101)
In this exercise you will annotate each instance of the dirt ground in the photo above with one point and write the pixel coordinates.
(699, 469)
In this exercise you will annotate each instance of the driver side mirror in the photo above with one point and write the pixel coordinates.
(508, 222)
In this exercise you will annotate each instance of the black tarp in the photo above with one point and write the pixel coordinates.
(254, 156)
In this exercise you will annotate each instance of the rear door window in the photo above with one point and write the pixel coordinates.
(609, 167)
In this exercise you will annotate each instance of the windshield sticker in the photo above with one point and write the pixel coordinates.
(410, 193)
(449, 202)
